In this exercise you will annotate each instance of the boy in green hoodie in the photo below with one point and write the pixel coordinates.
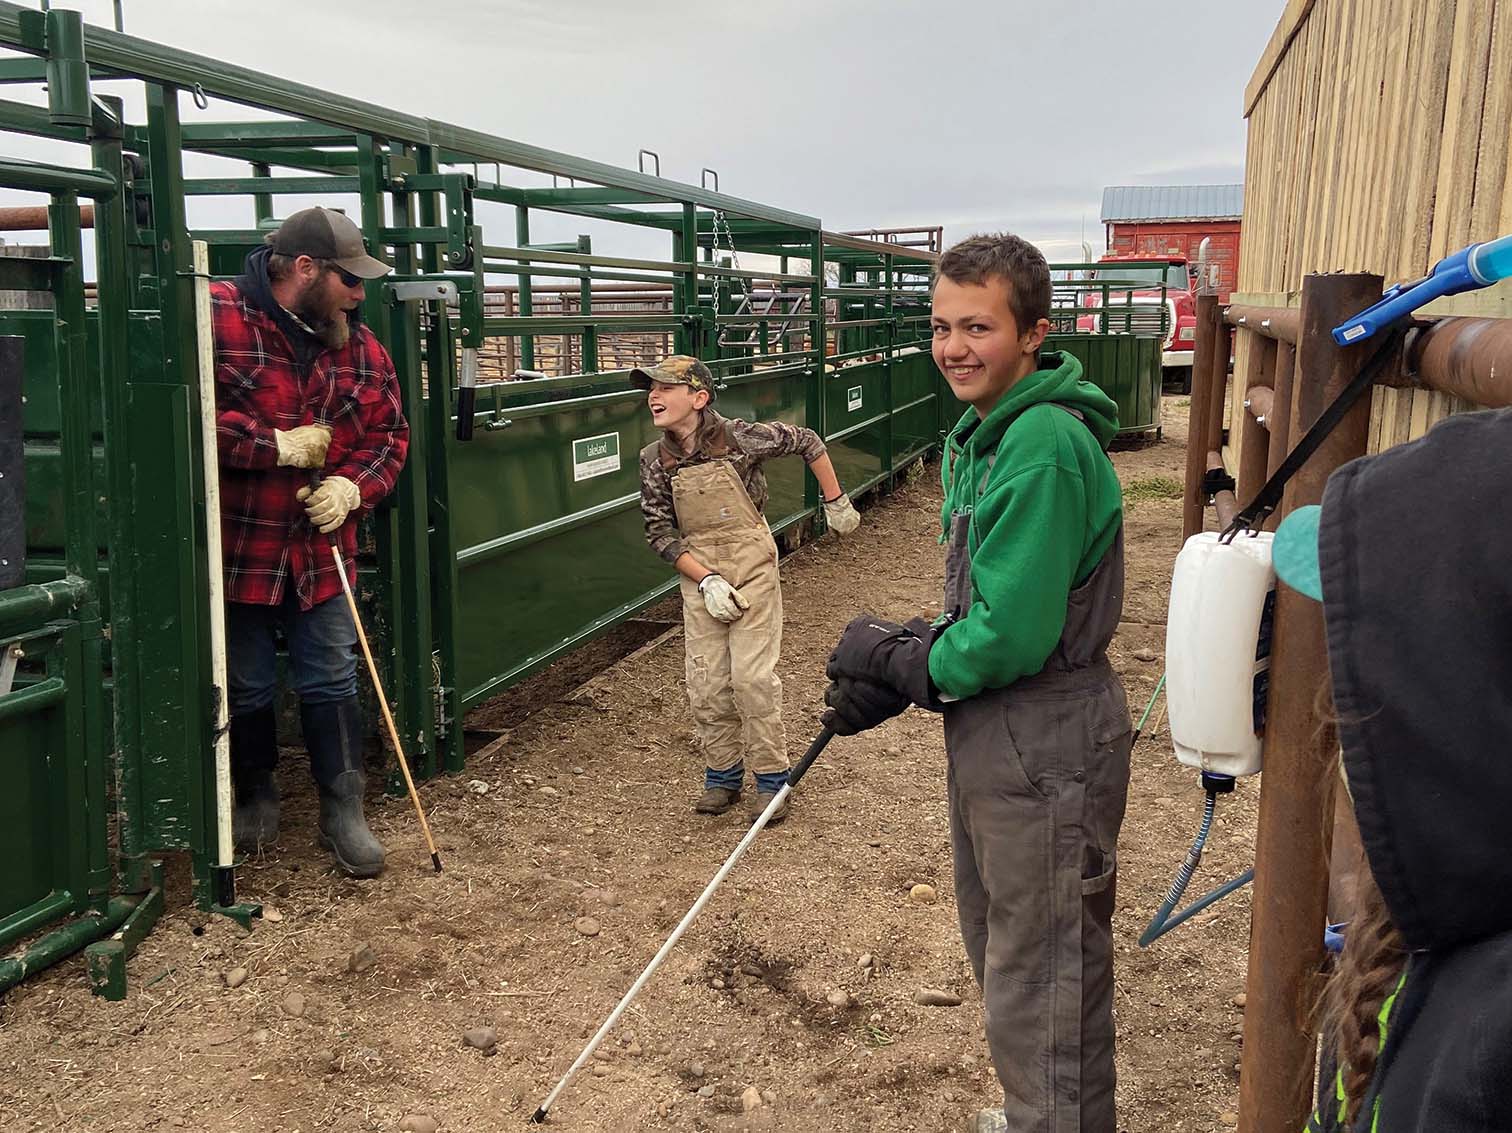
(1037, 730)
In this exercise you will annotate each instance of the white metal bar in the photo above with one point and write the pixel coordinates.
(209, 455)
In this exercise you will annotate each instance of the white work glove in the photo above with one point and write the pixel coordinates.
(329, 505)
(302, 447)
(721, 599)
(841, 515)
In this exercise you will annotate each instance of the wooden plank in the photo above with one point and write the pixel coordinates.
(1368, 239)
(1364, 139)
(1284, 91)
(1300, 210)
(1331, 133)
(1426, 128)
(1418, 422)
(1377, 413)
(1496, 128)
(1397, 108)
(1292, 19)
(1465, 96)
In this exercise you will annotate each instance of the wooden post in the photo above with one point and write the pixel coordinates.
(1301, 746)
(1199, 414)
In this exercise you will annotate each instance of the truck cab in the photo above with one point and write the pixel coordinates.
(1162, 301)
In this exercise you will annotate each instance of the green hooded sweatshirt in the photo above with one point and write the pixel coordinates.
(1049, 509)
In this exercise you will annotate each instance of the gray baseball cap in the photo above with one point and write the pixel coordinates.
(325, 234)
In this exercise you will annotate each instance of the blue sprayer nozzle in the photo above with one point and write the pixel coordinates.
(1479, 265)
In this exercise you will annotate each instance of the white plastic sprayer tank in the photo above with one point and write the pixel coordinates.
(1217, 664)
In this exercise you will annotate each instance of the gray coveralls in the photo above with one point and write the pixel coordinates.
(1038, 778)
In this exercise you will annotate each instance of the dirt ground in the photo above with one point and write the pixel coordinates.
(351, 1009)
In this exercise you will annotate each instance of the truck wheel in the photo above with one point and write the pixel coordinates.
(1180, 375)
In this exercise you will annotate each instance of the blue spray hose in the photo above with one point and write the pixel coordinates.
(1163, 922)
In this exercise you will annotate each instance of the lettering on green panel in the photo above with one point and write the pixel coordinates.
(595, 456)
(853, 399)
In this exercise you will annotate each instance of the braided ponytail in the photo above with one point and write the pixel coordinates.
(1368, 972)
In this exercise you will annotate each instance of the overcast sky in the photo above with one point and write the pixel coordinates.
(975, 114)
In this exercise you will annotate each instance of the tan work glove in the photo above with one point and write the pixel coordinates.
(841, 515)
(329, 505)
(721, 599)
(302, 447)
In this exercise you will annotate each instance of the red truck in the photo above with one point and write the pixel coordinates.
(1171, 313)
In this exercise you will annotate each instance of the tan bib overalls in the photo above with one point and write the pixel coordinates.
(732, 679)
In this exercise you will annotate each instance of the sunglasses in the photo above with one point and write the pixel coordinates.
(347, 278)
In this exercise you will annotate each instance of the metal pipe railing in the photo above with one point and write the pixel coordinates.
(33, 218)
(1469, 358)
(42, 178)
(1259, 400)
(28, 606)
(1283, 323)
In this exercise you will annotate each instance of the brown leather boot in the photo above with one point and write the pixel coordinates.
(764, 800)
(716, 800)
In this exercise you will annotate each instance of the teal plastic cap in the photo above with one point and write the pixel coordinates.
(1294, 553)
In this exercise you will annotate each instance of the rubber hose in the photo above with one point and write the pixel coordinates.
(1163, 922)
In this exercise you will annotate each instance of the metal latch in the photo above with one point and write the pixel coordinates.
(410, 289)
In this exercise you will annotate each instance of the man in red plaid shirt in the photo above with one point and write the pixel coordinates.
(311, 433)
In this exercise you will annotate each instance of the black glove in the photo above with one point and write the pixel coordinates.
(856, 704)
(888, 654)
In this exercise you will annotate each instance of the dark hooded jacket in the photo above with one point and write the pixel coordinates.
(1415, 552)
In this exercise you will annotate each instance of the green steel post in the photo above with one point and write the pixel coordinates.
(440, 349)
(72, 807)
(889, 395)
(67, 70)
(262, 203)
(113, 306)
(112, 272)
(585, 300)
(174, 796)
(399, 524)
(522, 239)
(76, 395)
(437, 437)
(815, 411)
(684, 250)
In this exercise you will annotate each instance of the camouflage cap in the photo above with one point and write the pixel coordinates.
(675, 370)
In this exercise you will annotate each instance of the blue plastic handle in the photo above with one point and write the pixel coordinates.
(1469, 269)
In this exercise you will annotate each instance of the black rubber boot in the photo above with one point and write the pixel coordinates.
(254, 755)
(333, 733)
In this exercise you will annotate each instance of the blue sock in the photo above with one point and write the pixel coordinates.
(729, 779)
(770, 782)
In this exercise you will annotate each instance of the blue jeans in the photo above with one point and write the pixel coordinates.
(322, 657)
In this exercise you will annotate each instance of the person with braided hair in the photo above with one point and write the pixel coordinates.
(1410, 564)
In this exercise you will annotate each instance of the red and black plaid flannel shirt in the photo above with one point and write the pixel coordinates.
(259, 386)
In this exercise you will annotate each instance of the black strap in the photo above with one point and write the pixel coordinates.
(1269, 496)
(1216, 480)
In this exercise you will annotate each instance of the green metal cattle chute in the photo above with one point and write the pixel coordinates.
(496, 553)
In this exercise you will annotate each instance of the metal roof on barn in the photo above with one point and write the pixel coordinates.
(1172, 202)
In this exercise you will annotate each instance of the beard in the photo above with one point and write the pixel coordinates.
(323, 315)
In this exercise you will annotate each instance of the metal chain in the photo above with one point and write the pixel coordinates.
(721, 220)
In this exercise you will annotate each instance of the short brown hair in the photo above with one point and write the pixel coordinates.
(977, 259)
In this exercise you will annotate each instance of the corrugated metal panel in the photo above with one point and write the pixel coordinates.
(1172, 202)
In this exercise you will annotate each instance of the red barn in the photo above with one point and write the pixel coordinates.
(1173, 220)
